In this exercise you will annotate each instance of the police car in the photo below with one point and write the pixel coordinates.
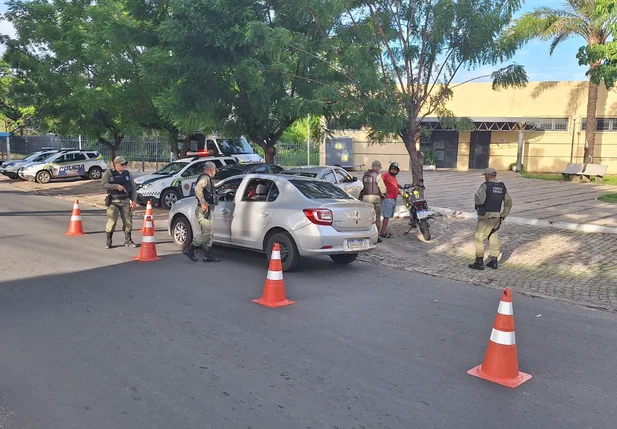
(88, 164)
(11, 168)
(176, 180)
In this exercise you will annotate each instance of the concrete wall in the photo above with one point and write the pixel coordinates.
(547, 151)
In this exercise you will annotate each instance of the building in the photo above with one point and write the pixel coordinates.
(548, 116)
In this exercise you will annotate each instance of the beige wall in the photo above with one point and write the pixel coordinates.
(543, 151)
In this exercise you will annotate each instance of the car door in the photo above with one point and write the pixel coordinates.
(253, 212)
(224, 211)
(70, 164)
(188, 178)
(346, 182)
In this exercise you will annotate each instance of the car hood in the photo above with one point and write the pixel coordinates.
(15, 163)
(150, 178)
(34, 164)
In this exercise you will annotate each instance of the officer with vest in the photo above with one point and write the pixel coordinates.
(489, 200)
(374, 190)
(121, 199)
(206, 201)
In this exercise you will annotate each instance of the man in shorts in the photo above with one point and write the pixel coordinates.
(388, 204)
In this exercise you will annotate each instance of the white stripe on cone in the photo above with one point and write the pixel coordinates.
(74, 218)
(75, 206)
(147, 239)
(276, 254)
(148, 224)
(505, 308)
(275, 275)
(503, 338)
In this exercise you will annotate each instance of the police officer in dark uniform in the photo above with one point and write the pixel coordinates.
(206, 201)
(121, 200)
(489, 200)
(373, 191)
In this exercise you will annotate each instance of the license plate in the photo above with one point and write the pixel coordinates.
(356, 244)
(422, 214)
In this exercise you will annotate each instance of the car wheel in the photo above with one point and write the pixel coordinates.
(168, 198)
(43, 176)
(290, 257)
(345, 259)
(95, 173)
(182, 232)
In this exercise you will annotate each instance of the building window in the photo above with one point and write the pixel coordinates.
(602, 124)
(547, 124)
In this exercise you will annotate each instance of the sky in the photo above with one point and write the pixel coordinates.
(540, 66)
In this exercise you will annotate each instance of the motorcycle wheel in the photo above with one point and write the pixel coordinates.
(424, 229)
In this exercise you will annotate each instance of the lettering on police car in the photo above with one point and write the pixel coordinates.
(68, 170)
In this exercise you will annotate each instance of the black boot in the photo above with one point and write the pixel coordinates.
(492, 263)
(189, 252)
(128, 242)
(478, 265)
(208, 256)
(108, 242)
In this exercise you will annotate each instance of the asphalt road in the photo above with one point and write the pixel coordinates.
(91, 339)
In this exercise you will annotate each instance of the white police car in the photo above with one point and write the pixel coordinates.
(73, 163)
(11, 168)
(176, 180)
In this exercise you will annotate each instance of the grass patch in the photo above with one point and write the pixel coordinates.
(608, 198)
(608, 180)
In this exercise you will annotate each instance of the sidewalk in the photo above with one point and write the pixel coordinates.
(539, 202)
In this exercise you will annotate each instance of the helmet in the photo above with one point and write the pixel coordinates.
(394, 165)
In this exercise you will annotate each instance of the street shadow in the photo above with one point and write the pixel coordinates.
(46, 213)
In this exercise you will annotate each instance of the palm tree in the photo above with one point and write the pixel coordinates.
(577, 18)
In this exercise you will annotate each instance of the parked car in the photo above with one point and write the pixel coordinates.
(332, 174)
(235, 170)
(66, 163)
(305, 216)
(176, 180)
(11, 168)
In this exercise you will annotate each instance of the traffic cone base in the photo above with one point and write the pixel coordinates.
(147, 250)
(274, 289)
(75, 226)
(500, 364)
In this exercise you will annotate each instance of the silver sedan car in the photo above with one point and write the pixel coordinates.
(337, 175)
(305, 216)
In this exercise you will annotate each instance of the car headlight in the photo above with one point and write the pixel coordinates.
(146, 186)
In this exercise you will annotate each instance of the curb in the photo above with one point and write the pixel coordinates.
(401, 213)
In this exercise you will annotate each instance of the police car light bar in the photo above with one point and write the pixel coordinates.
(201, 153)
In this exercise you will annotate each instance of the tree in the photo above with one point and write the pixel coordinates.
(240, 67)
(577, 18)
(606, 54)
(400, 59)
(79, 63)
(17, 118)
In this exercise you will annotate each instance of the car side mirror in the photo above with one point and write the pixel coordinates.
(354, 179)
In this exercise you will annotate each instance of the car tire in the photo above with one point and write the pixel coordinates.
(95, 173)
(345, 259)
(290, 257)
(169, 198)
(43, 177)
(182, 232)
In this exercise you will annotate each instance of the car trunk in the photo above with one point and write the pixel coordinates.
(349, 215)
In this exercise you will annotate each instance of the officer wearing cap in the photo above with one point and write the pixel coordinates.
(121, 199)
(374, 191)
(489, 200)
(206, 201)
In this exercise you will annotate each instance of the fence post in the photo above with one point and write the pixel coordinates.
(143, 160)
(156, 155)
(80, 142)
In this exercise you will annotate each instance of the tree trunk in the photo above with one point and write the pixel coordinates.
(269, 153)
(186, 146)
(590, 129)
(410, 138)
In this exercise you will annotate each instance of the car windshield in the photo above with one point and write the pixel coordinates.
(36, 157)
(235, 146)
(172, 168)
(224, 173)
(300, 173)
(320, 190)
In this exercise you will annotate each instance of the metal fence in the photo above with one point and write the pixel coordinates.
(289, 154)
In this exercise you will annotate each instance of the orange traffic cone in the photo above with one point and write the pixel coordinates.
(75, 226)
(146, 214)
(274, 289)
(500, 363)
(147, 250)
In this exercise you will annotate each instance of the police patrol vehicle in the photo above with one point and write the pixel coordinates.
(176, 180)
(11, 168)
(88, 164)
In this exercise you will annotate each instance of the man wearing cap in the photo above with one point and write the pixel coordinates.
(374, 190)
(388, 204)
(206, 201)
(121, 199)
(489, 200)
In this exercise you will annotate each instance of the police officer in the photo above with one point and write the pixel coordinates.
(489, 200)
(206, 201)
(374, 190)
(121, 199)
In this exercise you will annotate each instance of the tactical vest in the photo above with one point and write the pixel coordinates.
(495, 194)
(124, 179)
(209, 194)
(370, 183)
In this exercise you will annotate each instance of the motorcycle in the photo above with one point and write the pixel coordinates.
(419, 214)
